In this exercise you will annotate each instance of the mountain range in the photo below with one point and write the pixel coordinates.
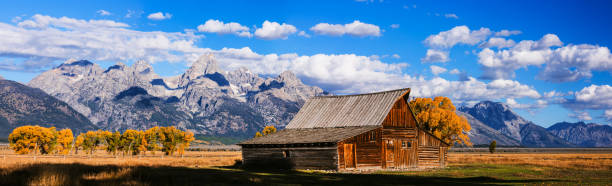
(22, 105)
(204, 99)
(81, 95)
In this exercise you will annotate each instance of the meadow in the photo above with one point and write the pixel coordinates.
(222, 168)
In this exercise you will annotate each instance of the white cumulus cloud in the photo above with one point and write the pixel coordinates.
(457, 35)
(42, 40)
(436, 70)
(219, 27)
(434, 55)
(561, 63)
(157, 16)
(498, 42)
(356, 28)
(274, 30)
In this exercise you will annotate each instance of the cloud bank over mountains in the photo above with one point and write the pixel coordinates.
(41, 41)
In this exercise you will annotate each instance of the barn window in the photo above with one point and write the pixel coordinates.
(372, 136)
(390, 144)
(286, 154)
(406, 144)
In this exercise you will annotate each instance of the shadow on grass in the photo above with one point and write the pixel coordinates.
(81, 174)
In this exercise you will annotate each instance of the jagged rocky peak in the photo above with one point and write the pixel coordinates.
(486, 107)
(206, 64)
(117, 66)
(142, 66)
(74, 62)
(289, 78)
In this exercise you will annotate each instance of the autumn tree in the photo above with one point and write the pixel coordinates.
(438, 117)
(170, 137)
(133, 141)
(187, 137)
(78, 143)
(112, 141)
(24, 139)
(64, 141)
(90, 141)
(153, 139)
(267, 130)
(32, 139)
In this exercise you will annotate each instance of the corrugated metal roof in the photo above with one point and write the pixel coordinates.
(346, 111)
(312, 135)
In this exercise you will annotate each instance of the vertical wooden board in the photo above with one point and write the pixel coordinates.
(349, 156)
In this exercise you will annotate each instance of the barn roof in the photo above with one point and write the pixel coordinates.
(310, 135)
(346, 111)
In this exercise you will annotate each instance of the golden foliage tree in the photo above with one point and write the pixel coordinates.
(439, 118)
(33, 139)
(133, 141)
(112, 141)
(153, 139)
(187, 137)
(64, 141)
(90, 140)
(173, 139)
(267, 130)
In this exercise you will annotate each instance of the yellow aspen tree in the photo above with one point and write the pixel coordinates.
(438, 117)
(186, 140)
(64, 140)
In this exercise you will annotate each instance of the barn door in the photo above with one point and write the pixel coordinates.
(408, 153)
(390, 153)
(349, 155)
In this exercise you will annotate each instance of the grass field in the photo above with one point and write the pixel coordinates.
(216, 168)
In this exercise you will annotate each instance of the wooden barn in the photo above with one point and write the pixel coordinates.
(365, 131)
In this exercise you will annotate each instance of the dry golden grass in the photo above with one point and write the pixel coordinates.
(204, 168)
(192, 159)
(570, 161)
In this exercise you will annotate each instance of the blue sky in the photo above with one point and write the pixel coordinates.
(556, 68)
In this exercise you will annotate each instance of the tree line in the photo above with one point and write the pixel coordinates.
(36, 139)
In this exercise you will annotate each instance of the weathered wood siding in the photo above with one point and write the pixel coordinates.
(431, 151)
(366, 151)
(399, 116)
(406, 146)
(300, 157)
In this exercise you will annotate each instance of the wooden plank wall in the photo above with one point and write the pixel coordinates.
(301, 157)
(400, 116)
(431, 151)
(367, 150)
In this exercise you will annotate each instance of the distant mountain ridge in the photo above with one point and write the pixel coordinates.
(582, 134)
(501, 118)
(22, 105)
(204, 99)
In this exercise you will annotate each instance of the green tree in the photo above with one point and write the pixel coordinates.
(492, 146)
